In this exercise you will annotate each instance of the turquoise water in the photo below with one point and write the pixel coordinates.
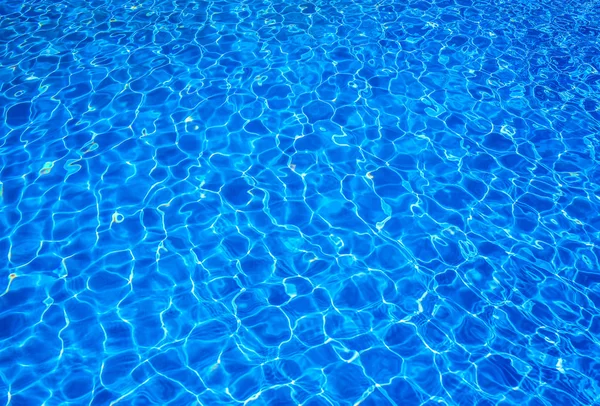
(295, 203)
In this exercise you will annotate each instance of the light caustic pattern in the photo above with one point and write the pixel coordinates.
(279, 203)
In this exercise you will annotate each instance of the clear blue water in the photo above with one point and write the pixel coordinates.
(294, 203)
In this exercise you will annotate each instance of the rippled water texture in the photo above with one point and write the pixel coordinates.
(288, 203)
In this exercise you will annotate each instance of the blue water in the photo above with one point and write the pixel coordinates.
(299, 203)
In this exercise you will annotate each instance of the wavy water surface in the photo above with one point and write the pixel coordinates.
(299, 203)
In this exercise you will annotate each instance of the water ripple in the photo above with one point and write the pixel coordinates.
(326, 203)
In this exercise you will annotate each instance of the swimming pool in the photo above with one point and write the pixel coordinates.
(299, 203)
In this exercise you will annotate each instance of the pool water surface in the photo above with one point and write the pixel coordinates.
(299, 203)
